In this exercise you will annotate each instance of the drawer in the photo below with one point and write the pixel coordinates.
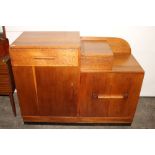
(44, 57)
(109, 94)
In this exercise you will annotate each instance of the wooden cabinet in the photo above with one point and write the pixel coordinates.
(62, 77)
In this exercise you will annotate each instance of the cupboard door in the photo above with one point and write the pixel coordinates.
(25, 85)
(119, 85)
(90, 85)
(124, 94)
(109, 94)
(57, 90)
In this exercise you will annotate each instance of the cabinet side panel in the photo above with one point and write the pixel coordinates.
(135, 92)
(24, 81)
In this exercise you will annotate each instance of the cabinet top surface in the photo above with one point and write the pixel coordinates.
(96, 48)
(47, 40)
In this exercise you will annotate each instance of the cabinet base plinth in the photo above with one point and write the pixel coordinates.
(52, 119)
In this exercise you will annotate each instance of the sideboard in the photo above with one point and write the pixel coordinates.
(64, 78)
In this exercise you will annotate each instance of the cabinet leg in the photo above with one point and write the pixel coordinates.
(12, 104)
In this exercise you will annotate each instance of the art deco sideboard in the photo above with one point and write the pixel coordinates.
(62, 77)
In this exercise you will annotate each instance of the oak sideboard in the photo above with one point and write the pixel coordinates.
(64, 78)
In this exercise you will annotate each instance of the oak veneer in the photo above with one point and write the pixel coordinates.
(118, 45)
(109, 94)
(62, 77)
(96, 55)
(47, 40)
(45, 57)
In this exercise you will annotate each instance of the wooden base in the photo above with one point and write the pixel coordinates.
(77, 119)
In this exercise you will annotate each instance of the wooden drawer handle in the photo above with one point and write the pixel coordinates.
(95, 96)
(44, 58)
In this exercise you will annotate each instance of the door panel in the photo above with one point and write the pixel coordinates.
(90, 85)
(120, 85)
(105, 94)
(57, 90)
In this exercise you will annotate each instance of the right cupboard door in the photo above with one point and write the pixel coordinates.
(109, 94)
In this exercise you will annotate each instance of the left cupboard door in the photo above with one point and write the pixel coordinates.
(26, 90)
(57, 90)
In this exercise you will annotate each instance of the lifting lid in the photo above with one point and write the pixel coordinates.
(96, 48)
(61, 40)
(96, 55)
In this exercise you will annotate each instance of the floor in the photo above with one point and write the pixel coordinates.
(144, 118)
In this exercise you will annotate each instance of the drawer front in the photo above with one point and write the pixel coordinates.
(44, 57)
(109, 94)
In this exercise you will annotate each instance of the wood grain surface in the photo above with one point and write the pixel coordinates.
(47, 40)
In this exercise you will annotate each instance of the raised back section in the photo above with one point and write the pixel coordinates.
(96, 55)
(118, 45)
